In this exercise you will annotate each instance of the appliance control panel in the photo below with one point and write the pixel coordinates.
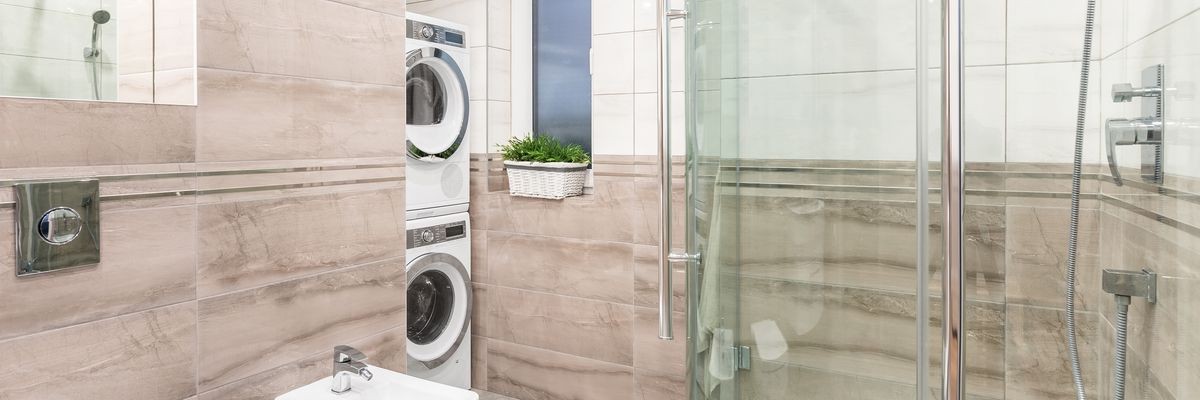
(436, 34)
(430, 235)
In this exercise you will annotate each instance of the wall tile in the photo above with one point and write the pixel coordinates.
(586, 328)
(530, 373)
(499, 28)
(385, 350)
(146, 355)
(613, 124)
(307, 38)
(384, 6)
(654, 385)
(148, 260)
(245, 333)
(249, 116)
(1042, 101)
(608, 214)
(499, 74)
(40, 133)
(653, 354)
(252, 243)
(1036, 353)
(612, 66)
(612, 16)
(570, 267)
(1045, 32)
(646, 279)
(787, 117)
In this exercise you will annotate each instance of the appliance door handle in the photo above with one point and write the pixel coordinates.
(666, 257)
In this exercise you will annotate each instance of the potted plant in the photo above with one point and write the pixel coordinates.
(543, 167)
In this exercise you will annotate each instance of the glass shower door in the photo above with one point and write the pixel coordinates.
(803, 124)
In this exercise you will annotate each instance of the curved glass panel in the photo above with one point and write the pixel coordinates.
(430, 305)
(426, 96)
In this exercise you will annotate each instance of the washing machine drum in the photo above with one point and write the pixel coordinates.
(439, 308)
(438, 105)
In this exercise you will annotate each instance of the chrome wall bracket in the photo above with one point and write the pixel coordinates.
(1142, 283)
(743, 357)
(1149, 131)
(57, 225)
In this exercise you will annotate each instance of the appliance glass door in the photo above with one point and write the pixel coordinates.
(804, 123)
(438, 105)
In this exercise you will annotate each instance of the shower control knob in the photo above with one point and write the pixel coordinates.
(427, 236)
(427, 32)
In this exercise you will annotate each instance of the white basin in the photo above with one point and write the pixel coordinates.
(385, 385)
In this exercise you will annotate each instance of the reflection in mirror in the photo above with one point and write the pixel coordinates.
(139, 51)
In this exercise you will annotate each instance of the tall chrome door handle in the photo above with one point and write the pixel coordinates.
(665, 284)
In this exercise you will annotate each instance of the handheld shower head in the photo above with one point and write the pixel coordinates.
(101, 17)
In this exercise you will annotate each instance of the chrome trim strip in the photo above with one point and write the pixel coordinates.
(245, 189)
(199, 174)
(420, 265)
(418, 56)
(953, 371)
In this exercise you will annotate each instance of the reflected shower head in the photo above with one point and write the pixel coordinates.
(101, 17)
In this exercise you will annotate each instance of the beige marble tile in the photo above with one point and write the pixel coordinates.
(385, 6)
(245, 333)
(653, 354)
(646, 228)
(385, 350)
(484, 395)
(863, 332)
(480, 271)
(251, 243)
(147, 261)
(306, 38)
(54, 133)
(479, 346)
(646, 279)
(1037, 257)
(530, 373)
(248, 116)
(571, 267)
(1036, 362)
(610, 214)
(654, 385)
(780, 381)
(586, 328)
(145, 355)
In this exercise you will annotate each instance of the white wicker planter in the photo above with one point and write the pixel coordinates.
(545, 180)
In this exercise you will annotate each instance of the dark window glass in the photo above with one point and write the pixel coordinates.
(426, 96)
(562, 94)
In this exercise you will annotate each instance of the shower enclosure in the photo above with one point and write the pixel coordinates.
(825, 260)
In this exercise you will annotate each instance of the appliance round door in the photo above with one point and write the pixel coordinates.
(438, 105)
(439, 308)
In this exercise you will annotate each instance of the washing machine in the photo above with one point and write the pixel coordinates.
(439, 299)
(438, 167)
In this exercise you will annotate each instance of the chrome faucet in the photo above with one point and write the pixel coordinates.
(347, 361)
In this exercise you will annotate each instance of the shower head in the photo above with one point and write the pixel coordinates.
(101, 17)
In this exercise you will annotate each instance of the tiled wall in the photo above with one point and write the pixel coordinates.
(566, 292)
(243, 237)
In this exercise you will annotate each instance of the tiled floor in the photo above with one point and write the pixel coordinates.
(491, 396)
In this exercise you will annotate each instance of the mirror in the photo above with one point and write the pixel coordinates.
(138, 51)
